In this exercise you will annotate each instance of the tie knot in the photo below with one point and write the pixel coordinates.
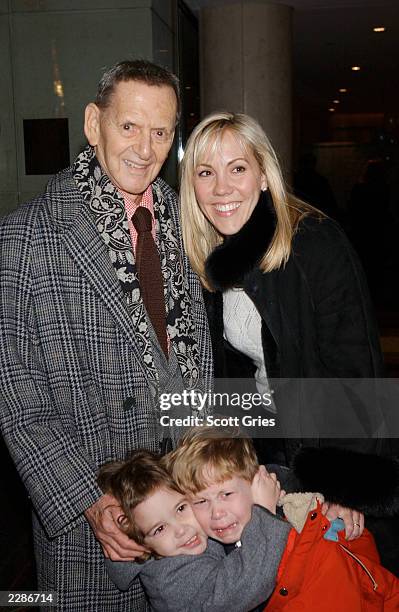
(142, 220)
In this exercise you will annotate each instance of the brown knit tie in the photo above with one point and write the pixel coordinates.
(150, 275)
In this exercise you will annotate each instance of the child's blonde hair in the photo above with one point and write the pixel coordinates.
(207, 454)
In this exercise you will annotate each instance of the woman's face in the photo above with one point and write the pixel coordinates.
(227, 184)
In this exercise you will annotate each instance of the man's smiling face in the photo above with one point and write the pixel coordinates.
(132, 136)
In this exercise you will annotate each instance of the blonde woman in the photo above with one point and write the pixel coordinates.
(285, 291)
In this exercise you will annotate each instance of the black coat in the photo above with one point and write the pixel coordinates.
(317, 319)
(362, 481)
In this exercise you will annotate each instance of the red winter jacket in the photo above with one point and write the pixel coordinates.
(325, 576)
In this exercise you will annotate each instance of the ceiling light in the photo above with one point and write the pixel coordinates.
(342, 90)
(335, 101)
(332, 110)
(355, 68)
(379, 29)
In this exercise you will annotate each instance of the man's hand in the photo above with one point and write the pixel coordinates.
(104, 517)
(353, 520)
(266, 489)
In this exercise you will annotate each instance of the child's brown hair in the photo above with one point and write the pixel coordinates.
(209, 450)
(132, 482)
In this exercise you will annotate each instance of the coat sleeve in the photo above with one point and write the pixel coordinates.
(213, 582)
(54, 467)
(347, 333)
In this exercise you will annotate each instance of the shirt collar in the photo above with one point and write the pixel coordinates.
(146, 200)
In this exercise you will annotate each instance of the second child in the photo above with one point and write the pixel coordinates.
(320, 569)
(182, 571)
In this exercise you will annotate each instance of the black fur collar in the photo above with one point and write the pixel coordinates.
(369, 483)
(228, 265)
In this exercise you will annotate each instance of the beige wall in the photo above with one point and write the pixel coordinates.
(246, 66)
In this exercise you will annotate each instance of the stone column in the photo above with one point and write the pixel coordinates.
(246, 66)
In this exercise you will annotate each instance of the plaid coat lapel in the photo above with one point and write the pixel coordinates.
(86, 247)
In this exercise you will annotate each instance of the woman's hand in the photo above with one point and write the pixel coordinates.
(266, 489)
(353, 520)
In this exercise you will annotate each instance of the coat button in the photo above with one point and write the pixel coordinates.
(313, 516)
(128, 403)
(283, 592)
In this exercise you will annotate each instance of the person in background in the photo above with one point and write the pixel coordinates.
(371, 224)
(313, 187)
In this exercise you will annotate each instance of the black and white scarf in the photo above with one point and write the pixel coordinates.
(108, 210)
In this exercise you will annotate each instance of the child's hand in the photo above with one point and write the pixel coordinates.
(266, 489)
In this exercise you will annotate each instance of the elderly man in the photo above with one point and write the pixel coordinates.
(100, 314)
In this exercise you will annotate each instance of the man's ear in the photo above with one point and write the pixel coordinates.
(122, 520)
(92, 124)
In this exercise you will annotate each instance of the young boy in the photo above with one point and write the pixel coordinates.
(319, 570)
(183, 571)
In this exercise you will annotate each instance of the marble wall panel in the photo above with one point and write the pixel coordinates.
(58, 60)
(8, 201)
(8, 167)
(52, 55)
(164, 9)
(163, 54)
(162, 42)
(24, 6)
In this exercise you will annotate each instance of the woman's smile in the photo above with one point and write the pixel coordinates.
(227, 184)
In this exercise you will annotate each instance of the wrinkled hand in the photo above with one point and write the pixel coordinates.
(266, 489)
(104, 517)
(353, 520)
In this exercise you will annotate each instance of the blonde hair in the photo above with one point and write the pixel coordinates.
(208, 453)
(200, 237)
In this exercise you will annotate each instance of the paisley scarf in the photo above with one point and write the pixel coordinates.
(108, 211)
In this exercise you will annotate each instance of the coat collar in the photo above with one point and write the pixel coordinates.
(83, 243)
(231, 262)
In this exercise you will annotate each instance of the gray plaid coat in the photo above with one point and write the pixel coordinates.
(74, 389)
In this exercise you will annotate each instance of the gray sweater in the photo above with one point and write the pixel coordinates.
(213, 582)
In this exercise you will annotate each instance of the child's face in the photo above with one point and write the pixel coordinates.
(223, 509)
(170, 527)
